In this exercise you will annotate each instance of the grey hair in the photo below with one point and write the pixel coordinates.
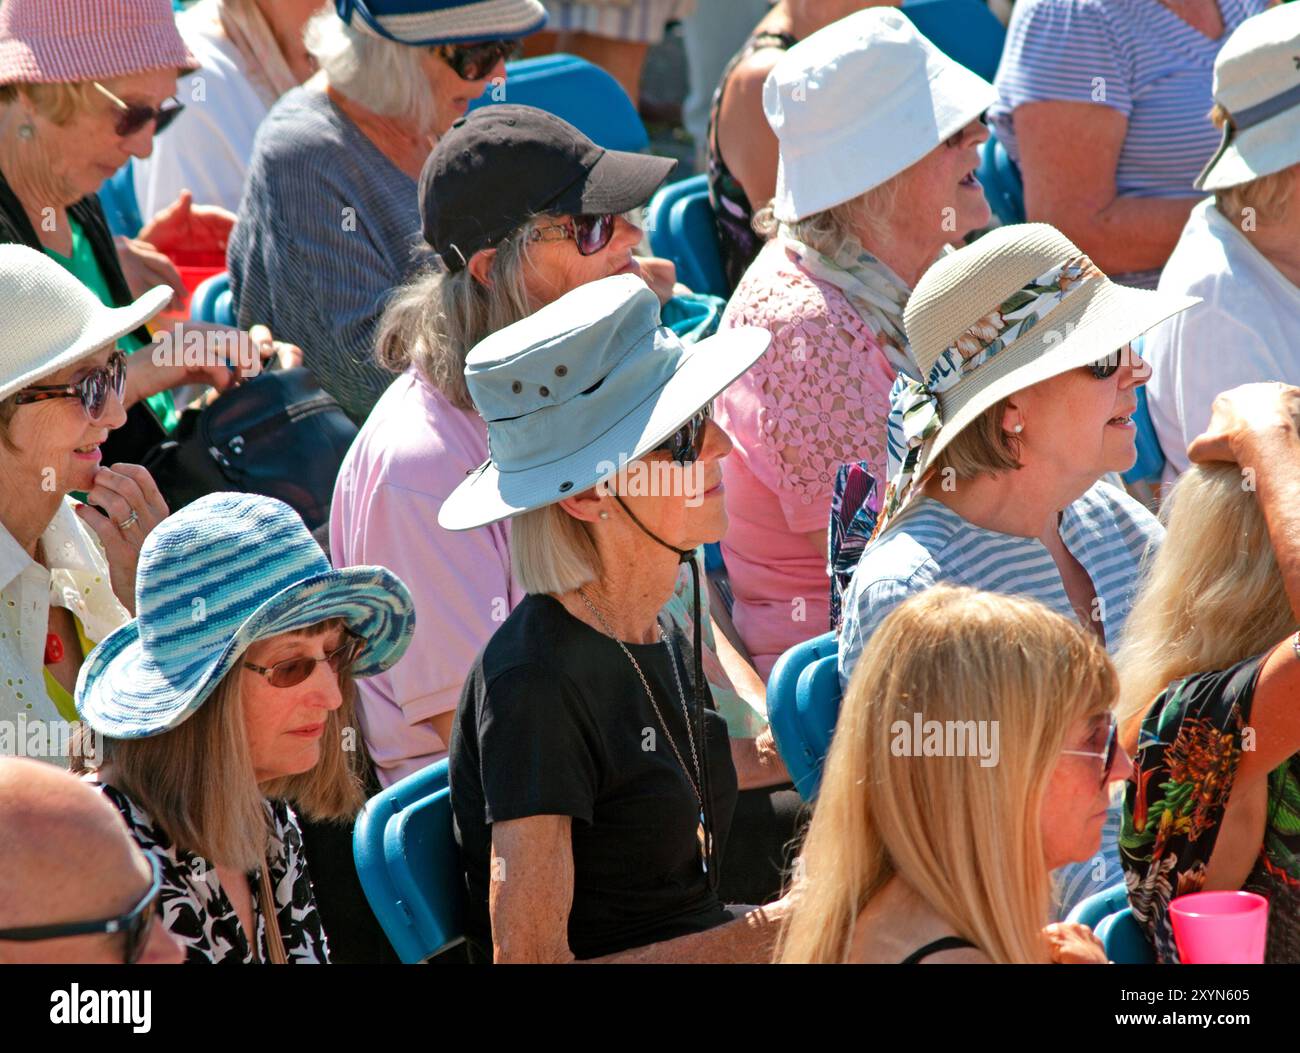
(832, 231)
(436, 318)
(382, 75)
(552, 552)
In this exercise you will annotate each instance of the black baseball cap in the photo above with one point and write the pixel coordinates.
(503, 163)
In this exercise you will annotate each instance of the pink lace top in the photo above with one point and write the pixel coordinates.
(816, 399)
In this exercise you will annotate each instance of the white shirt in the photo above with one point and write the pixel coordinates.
(1247, 329)
(207, 147)
(77, 579)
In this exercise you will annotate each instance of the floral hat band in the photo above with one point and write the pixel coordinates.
(915, 412)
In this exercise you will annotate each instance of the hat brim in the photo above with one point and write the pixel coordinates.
(122, 693)
(618, 182)
(705, 369)
(1257, 152)
(1095, 326)
(106, 326)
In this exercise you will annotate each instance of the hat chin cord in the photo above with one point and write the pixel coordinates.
(687, 556)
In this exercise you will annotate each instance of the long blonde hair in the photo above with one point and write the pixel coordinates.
(967, 838)
(1213, 595)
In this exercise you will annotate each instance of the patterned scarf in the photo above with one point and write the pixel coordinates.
(246, 27)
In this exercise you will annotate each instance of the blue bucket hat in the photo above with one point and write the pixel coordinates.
(428, 22)
(213, 578)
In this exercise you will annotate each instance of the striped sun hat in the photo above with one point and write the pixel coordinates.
(215, 577)
(62, 41)
(426, 22)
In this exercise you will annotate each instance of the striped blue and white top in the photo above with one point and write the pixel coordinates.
(1107, 531)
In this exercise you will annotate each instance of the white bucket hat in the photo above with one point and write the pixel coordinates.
(1257, 80)
(859, 101)
(582, 387)
(53, 321)
(1020, 305)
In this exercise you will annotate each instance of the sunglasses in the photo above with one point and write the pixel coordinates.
(591, 233)
(136, 923)
(132, 116)
(293, 671)
(1108, 756)
(475, 61)
(92, 389)
(684, 445)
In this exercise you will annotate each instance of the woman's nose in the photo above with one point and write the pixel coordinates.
(1138, 371)
(717, 444)
(1123, 766)
(324, 693)
(114, 411)
(978, 131)
(627, 234)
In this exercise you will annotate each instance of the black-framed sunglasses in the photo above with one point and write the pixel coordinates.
(293, 671)
(136, 923)
(92, 389)
(475, 61)
(590, 233)
(685, 444)
(133, 116)
(1108, 756)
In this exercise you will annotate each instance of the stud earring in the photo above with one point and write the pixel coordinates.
(1018, 428)
(604, 515)
(26, 131)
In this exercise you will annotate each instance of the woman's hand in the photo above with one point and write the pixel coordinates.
(229, 357)
(129, 495)
(185, 229)
(1070, 943)
(1242, 414)
(145, 267)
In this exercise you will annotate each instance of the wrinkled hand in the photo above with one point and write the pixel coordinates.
(1070, 943)
(1241, 412)
(129, 495)
(144, 267)
(186, 229)
(169, 364)
(660, 275)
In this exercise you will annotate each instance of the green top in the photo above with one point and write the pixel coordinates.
(85, 268)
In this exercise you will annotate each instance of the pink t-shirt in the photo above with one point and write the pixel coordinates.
(817, 399)
(413, 450)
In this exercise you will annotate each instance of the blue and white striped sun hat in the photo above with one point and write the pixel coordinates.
(427, 22)
(213, 578)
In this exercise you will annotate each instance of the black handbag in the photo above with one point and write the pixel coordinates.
(278, 434)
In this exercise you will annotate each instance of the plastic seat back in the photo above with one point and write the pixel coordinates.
(964, 30)
(212, 301)
(1124, 940)
(1003, 188)
(409, 864)
(1099, 905)
(803, 702)
(121, 207)
(680, 224)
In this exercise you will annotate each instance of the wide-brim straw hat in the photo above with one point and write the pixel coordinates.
(214, 578)
(580, 389)
(428, 22)
(53, 321)
(1257, 80)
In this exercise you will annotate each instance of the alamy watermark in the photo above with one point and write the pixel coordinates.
(201, 348)
(946, 738)
(646, 478)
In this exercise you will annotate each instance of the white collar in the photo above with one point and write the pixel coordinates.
(67, 543)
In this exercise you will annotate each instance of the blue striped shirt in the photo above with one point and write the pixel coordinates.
(1107, 531)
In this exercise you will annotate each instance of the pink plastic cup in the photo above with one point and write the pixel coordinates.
(1220, 928)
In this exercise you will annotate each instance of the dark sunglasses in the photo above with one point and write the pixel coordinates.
(684, 445)
(132, 116)
(591, 233)
(1108, 757)
(293, 671)
(1107, 367)
(475, 61)
(136, 923)
(92, 389)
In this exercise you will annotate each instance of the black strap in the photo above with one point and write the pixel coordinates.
(945, 943)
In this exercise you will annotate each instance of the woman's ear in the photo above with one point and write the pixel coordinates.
(480, 266)
(590, 505)
(1013, 419)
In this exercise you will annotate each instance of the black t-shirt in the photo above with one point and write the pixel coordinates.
(554, 721)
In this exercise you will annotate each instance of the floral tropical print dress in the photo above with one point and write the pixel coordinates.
(1188, 750)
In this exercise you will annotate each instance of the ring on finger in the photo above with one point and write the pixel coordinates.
(129, 521)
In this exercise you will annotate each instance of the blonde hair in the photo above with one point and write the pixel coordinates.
(966, 838)
(831, 231)
(552, 552)
(983, 447)
(436, 318)
(197, 780)
(58, 103)
(1268, 196)
(1213, 595)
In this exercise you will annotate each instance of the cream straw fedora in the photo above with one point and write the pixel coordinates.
(1018, 306)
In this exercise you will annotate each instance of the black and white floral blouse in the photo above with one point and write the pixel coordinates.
(199, 913)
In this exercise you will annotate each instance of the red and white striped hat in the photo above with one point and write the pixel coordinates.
(62, 41)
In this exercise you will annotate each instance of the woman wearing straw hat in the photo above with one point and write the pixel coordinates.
(996, 454)
(67, 570)
(243, 654)
(863, 205)
(1240, 250)
(591, 780)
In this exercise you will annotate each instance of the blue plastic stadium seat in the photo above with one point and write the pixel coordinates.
(117, 197)
(1124, 940)
(679, 221)
(803, 701)
(212, 302)
(1099, 905)
(1001, 180)
(583, 94)
(964, 30)
(409, 865)
(1150, 462)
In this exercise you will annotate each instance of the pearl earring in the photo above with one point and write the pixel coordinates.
(26, 131)
(604, 515)
(1018, 428)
